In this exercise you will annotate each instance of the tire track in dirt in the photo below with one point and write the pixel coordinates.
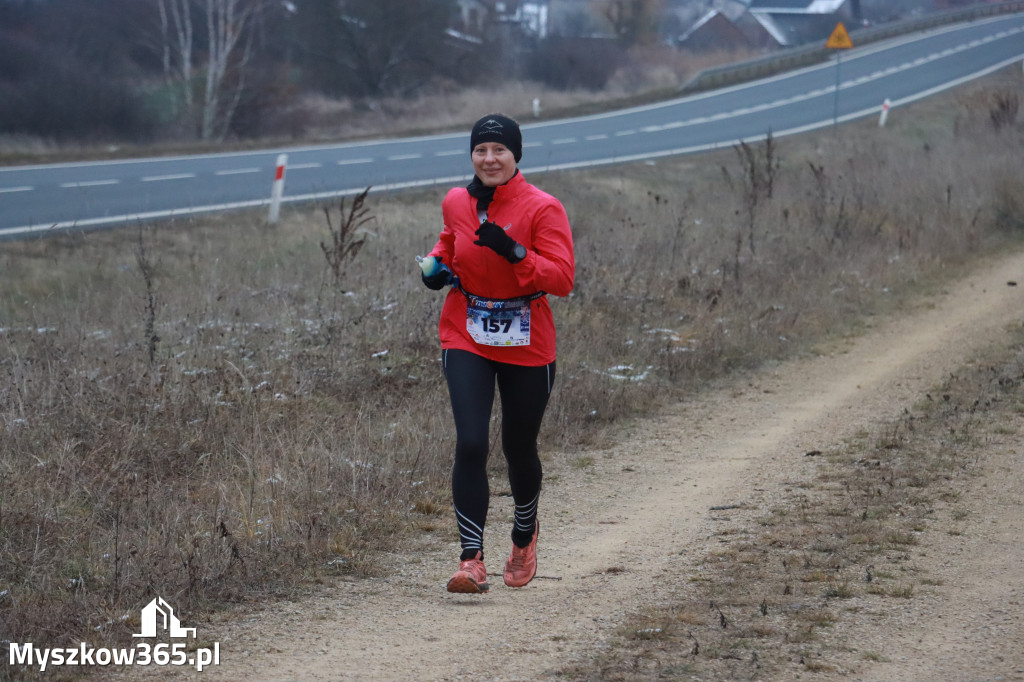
(626, 532)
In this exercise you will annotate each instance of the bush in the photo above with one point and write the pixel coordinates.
(49, 93)
(570, 63)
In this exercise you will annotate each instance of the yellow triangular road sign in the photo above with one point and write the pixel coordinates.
(840, 39)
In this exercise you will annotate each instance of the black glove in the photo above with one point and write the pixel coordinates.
(440, 279)
(493, 237)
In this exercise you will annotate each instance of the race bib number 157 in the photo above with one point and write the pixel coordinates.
(491, 323)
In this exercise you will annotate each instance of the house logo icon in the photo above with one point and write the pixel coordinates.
(159, 613)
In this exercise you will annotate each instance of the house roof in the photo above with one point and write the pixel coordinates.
(773, 29)
(700, 23)
(732, 9)
(713, 29)
(796, 6)
(755, 31)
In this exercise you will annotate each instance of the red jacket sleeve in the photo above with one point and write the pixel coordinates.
(444, 249)
(549, 264)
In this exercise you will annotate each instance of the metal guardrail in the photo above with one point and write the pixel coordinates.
(808, 55)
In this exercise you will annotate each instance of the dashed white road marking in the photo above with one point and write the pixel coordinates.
(304, 166)
(88, 183)
(564, 140)
(452, 152)
(238, 171)
(161, 178)
(404, 157)
(352, 162)
(23, 188)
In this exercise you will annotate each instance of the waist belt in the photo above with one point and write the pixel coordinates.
(499, 303)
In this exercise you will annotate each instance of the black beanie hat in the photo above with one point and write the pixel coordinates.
(498, 128)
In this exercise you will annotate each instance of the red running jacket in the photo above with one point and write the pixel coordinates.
(536, 220)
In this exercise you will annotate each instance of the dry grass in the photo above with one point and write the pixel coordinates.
(205, 411)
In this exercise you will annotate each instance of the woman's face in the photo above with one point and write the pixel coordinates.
(493, 163)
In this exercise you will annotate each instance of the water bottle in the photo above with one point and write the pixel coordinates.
(431, 266)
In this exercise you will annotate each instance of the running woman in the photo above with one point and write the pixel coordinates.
(504, 248)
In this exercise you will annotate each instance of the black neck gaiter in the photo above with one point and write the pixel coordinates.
(482, 193)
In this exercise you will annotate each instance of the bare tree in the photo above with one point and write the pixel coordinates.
(391, 46)
(229, 48)
(634, 21)
(221, 66)
(176, 44)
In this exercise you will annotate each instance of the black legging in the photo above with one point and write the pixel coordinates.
(524, 396)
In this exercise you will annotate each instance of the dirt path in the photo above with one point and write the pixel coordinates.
(622, 533)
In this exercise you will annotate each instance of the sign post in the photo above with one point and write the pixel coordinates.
(839, 40)
(884, 116)
(277, 189)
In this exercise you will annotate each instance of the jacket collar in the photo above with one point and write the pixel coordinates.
(511, 189)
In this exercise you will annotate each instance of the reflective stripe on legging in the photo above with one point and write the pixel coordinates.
(524, 395)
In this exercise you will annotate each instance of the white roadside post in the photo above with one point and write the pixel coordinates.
(278, 189)
(885, 113)
(536, 107)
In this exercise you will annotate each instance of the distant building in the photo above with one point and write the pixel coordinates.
(733, 9)
(533, 16)
(765, 24)
(478, 17)
(472, 17)
(713, 31)
(798, 22)
(757, 36)
(728, 25)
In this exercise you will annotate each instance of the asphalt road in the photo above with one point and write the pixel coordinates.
(34, 199)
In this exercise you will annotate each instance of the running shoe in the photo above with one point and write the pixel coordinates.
(471, 578)
(522, 563)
